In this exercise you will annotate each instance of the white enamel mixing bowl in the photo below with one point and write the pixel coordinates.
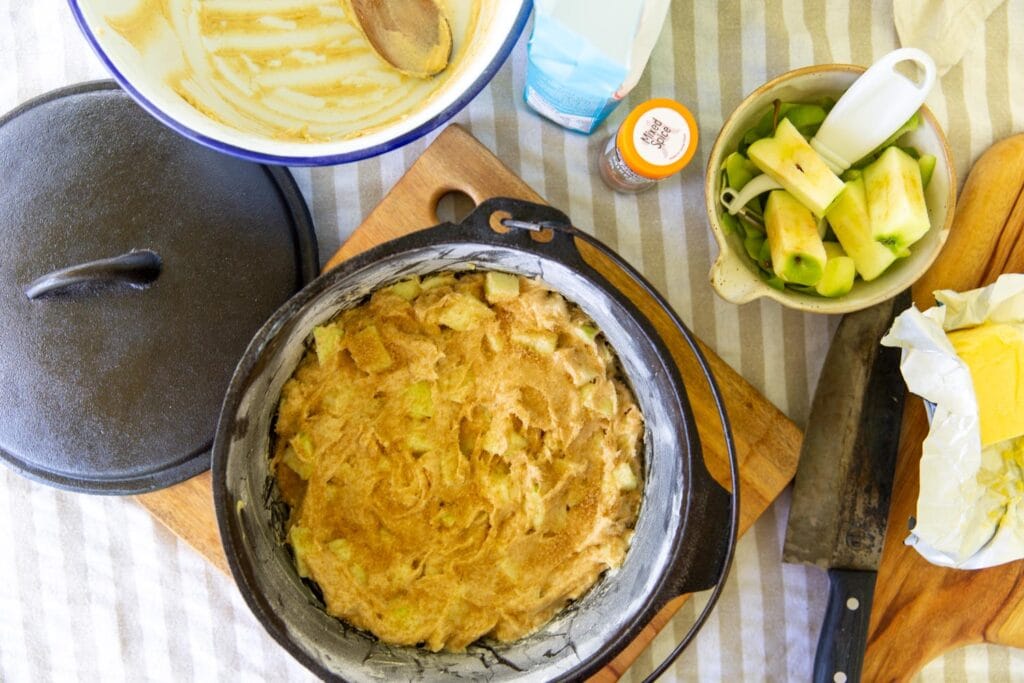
(497, 30)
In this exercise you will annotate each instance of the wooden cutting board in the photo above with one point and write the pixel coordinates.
(767, 442)
(920, 610)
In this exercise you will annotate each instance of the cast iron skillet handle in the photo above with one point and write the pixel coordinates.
(703, 559)
(137, 268)
(534, 228)
(844, 632)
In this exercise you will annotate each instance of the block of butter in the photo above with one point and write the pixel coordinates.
(994, 354)
(965, 357)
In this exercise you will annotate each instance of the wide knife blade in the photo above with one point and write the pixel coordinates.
(840, 505)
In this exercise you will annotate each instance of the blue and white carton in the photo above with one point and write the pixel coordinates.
(585, 56)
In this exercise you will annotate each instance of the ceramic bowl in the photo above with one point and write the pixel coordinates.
(737, 278)
(145, 76)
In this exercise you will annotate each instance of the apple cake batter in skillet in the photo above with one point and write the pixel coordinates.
(461, 458)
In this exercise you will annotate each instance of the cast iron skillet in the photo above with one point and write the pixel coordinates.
(686, 529)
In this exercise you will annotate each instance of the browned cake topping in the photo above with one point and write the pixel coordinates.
(461, 459)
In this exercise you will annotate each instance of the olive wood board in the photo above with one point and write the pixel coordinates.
(920, 610)
(767, 442)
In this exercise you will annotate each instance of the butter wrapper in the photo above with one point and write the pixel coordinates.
(970, 509)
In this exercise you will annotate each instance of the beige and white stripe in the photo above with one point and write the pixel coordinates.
(92, 589)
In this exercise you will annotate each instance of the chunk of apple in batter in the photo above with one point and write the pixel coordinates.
(341, 548)
(368, 350)
(625, 477)
(601, 397)
(299, 455)
(500, 287)
(327, 339)
(464, 312)
(406, 289)
(541, 341)
(303, 469)
(419, 399)
(587, 333)
(303, 545)
(419, 441)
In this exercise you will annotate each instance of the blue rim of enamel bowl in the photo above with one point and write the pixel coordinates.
(447, 113)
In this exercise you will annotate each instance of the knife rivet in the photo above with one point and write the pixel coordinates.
(839, 677)
(852, 604)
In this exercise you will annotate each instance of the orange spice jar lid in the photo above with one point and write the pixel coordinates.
(658, 138)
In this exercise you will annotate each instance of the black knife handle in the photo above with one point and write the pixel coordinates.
(844, 633)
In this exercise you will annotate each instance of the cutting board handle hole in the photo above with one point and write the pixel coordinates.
(453, 206)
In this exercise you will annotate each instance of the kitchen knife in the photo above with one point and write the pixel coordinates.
(844, 480)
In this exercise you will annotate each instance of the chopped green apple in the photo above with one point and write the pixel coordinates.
(495, 439)
(358, 573)
(730, 223)
(764, 257)
(464, 312)
(895, 197)
(806, 118)
(419, 401)
(302, 444)
(500, 287)
(419, 441)
(303, 545)
(600, 396)
(586, 332)
(407, 289)
(911, 124)
(516, 442)
(341, 548)
(543, 342)
(625, 477)
(299, 467)
(927, 165)
(798, 256)
(495, 341)
(789, 160)
(839, 273)
(852, 225)
(753, 244)
(327, 339)
(739, 170)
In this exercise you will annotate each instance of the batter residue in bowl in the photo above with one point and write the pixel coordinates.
(461, 459)
(287, 69)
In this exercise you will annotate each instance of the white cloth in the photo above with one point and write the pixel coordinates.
(945, 29)
(93, 589)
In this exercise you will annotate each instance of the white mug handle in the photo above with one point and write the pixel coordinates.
(873, 108)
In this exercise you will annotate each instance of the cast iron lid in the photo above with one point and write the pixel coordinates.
(111, 378)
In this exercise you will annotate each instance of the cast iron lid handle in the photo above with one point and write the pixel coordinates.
(138, 268)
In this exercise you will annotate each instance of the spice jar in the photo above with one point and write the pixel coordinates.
(657, 139)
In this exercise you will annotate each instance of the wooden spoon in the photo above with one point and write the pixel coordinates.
(411, 35)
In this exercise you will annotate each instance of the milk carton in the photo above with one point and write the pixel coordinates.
(584, 57)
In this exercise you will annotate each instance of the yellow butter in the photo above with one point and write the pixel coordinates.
(994, 353)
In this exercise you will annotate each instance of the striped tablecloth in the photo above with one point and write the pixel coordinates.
(92, 589)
